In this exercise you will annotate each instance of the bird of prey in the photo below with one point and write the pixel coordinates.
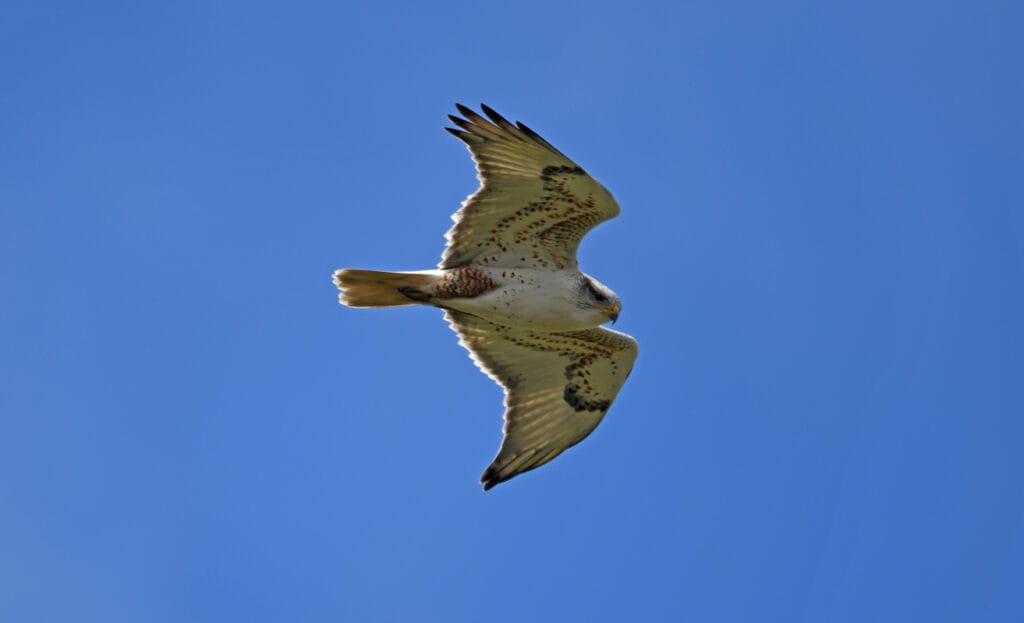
(510, 286)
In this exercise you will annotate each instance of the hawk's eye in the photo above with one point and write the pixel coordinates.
(600, 298)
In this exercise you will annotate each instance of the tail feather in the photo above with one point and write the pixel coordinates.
(375, 288)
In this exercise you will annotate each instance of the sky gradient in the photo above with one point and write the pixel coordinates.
(820, 252)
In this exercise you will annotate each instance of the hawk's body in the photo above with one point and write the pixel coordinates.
(502, 295)
(512, 290)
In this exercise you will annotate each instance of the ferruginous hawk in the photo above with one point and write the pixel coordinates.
(511, 288)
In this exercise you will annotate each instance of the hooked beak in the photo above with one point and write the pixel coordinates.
(613, 312)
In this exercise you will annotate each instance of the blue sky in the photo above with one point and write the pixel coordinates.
(821, 252)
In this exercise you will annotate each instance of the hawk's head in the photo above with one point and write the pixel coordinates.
(594, 294)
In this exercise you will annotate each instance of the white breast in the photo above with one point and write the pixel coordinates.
(535, 299)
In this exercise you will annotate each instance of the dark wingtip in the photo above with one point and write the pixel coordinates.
(465, 110)
(537, 137)
(495, 117)
(490, 478)
(526, 130)
(465, 124)
(498, 120)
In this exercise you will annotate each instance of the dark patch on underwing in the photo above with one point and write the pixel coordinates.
(579, 403)
(579, 387)
(548, 173)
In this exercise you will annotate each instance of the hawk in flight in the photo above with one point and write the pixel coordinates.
(510, 286)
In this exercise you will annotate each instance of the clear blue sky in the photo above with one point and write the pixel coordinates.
(821, 252)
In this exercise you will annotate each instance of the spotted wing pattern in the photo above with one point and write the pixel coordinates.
(558, 386)
(534, 204)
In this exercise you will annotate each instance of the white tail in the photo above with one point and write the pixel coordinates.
(375, 288)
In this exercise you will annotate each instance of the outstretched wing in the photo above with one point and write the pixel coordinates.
(534, 204)
(558, 386)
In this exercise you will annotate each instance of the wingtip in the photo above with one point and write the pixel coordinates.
(526, 130)
(532, 134)
(498, 120)
(465, 124)
(490, 478)
(494, 116)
